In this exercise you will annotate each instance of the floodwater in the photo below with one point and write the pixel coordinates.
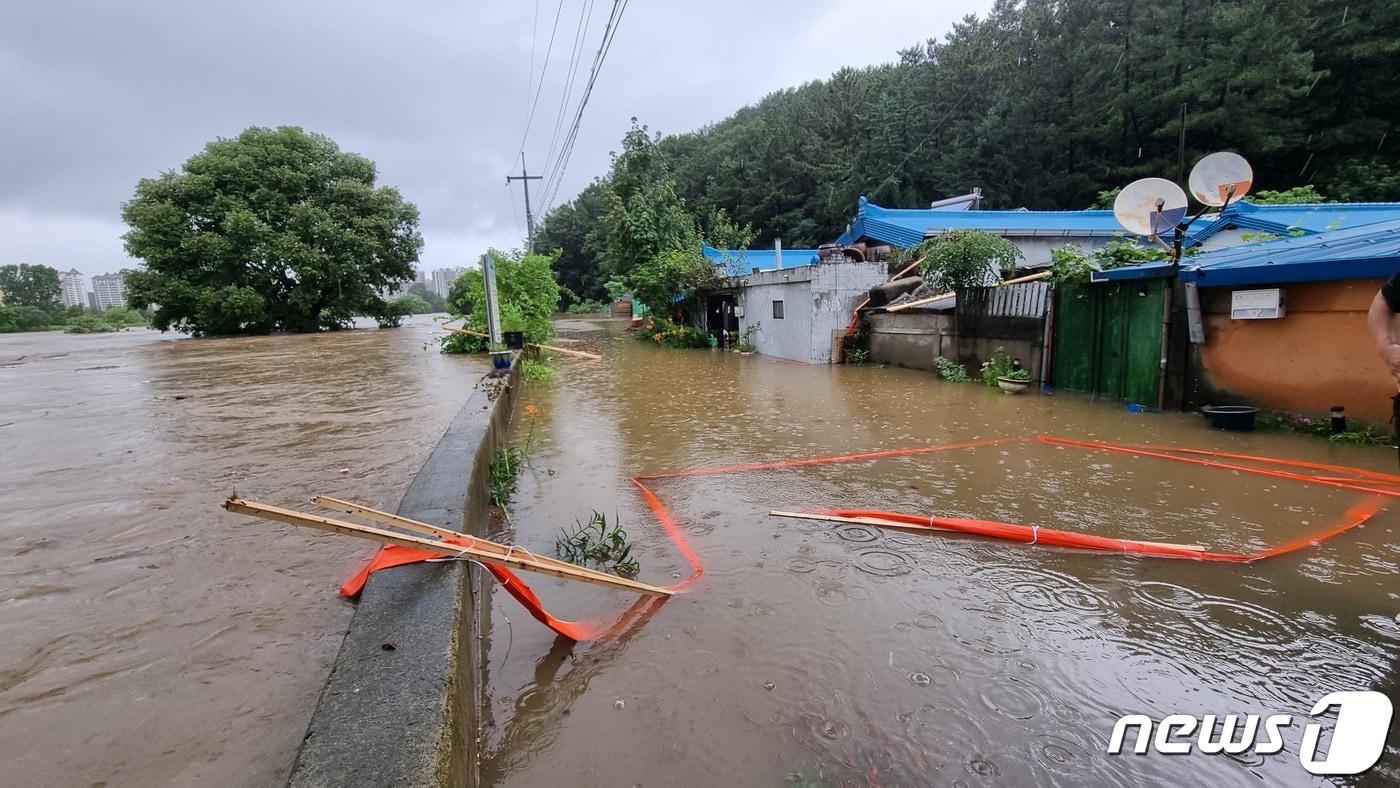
(147, 637)
(854, 656)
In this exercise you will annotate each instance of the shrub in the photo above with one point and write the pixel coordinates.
(950, 370)
(87, 324)
(962, 259)
(587, 306)
(528, 292)
(857, 356)
(536, 369)
(673, 335)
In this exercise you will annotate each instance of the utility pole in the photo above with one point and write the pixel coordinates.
(529, 217)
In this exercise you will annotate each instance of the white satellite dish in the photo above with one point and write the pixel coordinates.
(1150, 206)
(1220, 178)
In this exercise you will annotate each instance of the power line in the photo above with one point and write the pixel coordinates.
(609, 33)
(575, 61)
(543, 71)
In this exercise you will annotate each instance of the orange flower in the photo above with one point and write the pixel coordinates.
(531, 410)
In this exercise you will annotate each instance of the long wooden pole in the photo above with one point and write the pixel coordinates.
(881, 522)
(875, 521)
(524, 561)
(350, 507)
(556, 349)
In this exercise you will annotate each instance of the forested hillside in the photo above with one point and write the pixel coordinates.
(1044, 104)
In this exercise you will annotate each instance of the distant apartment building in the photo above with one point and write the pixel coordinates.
(443, 279)
(72, 288)
(109, 290)
(420, 276)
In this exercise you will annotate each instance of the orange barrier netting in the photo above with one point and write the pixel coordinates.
(1355, 479)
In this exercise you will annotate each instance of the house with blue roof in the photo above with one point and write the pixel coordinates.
(1035, 233)
(1242, 219)
(1281, 323)
(787, 303)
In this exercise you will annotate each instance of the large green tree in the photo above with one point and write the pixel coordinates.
(275, 229)
(29, 285)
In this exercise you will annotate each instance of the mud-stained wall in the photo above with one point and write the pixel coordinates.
(911, 339)
(1318, 355)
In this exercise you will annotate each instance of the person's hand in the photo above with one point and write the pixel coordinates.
(1391, 355)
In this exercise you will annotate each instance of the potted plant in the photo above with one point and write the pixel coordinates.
(513, 326)
(500, 355)
(1014, 382)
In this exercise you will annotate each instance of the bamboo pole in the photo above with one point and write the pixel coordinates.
(879, 522)
(567, 351)
(524, 561)
(556, 349)
(350, 507)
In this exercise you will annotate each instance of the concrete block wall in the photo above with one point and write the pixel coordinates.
(817, 300)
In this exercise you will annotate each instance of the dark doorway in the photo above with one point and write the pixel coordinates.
(720, 318)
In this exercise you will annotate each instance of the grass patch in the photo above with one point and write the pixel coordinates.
(533, 369)
(600, 543)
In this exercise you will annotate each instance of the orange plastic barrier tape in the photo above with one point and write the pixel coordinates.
(1373, 483)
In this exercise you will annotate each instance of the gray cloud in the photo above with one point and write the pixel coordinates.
(100, 94)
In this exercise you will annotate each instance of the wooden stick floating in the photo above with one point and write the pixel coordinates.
(881, 522)
(555, 348)
(875, 521)
(515, 559)
(350, 507)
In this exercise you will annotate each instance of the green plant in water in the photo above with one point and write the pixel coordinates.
(535, 369)
(1020, 374)
(505, 467)
(950, 370)
(598, 542)
(998, 366)
(857, 356)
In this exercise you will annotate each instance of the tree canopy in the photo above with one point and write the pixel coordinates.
(1043, 104)
(29, 285)
(275, 229)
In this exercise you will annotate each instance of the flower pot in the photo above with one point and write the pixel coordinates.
(1013, 385)
(515, 340)
(1239, 418)
(500, 359)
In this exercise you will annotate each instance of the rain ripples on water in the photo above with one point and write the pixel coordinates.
(897, 658)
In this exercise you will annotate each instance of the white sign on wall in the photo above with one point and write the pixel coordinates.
(1256, 304)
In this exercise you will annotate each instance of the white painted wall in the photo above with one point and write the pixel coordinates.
(817, 299)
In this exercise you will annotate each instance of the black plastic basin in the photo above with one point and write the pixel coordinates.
(1239, 418)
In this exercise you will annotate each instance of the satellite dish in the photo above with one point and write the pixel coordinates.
(1150, 206)
(1220, 178)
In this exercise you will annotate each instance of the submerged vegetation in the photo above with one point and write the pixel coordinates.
(1321, 426)
(950, 370)
(600, 543)
(537, 369)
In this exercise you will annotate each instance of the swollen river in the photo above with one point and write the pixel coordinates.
(146, 636)
(814, 653)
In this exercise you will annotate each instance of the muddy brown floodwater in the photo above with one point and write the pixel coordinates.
(146, 636)
(855, 656)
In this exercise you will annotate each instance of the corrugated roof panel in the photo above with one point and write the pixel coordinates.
(1361, 252)
(741, 261)
(906, 227)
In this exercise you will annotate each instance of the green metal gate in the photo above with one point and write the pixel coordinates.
(1108, 339)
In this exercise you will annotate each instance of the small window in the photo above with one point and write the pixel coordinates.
(777, 310)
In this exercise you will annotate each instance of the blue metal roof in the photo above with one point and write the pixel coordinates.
(1310, 218)
(741, 261)
(1361, 252)
(905, 227)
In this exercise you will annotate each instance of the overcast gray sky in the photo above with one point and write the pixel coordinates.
(101, 94)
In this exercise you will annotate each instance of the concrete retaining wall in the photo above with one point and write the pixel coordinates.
(401, 704)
